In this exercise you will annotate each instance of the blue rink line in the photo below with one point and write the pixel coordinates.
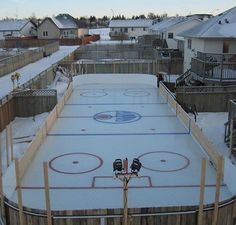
(87, 117)
(121, 134)
(158, 103)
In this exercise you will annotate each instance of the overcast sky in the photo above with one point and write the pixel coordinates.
(99, 8)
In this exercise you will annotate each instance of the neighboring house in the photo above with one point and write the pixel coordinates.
(128, 29)
(17, 28)
(171, 27)
(61, 26)
(216, 35)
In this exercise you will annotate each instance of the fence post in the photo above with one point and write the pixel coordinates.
(19, 192)
(11, 142)
(7, 145)
(219, 171)
(47, 193)
(231, 137)
(1, 184)
(202, 192)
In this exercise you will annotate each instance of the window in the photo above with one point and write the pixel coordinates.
(144, 29)
(225, 47)
(170, 35)
(45, 33)
(112, 29)
(132, 28)
(189, 44)
(121, 30)
(126, 30)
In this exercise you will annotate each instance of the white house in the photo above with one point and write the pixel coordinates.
(17, 28)
(61, 26)
(216, 35)
(171, 27)
(126, 29)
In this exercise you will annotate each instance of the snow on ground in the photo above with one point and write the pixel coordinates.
(212, 125)
(103, 32)
(24, 130)
(31, 70)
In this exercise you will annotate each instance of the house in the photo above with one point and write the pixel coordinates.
(17, 28)
(169, 28)
(128, 29)
(215, 36)
(61, 26)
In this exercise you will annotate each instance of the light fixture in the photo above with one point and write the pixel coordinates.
(136, 165)
(117, 165)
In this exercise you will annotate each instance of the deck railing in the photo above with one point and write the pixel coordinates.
(221, 67)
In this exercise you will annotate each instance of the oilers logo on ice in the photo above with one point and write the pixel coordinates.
(117, 117)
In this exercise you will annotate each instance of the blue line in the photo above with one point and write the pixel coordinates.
(124, 134)
(87, 117)
(159, 103)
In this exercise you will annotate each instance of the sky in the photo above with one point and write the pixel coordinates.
(99, 8)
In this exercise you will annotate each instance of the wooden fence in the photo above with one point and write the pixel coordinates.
(16, 62)
(42, 100)
(37, 141)
(18, 105)
(206, 98)
(190, 124)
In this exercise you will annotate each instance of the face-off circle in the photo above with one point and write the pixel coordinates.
(136, 93)
(117, 117)
(75, 163)
(164, 161)
(93, 94)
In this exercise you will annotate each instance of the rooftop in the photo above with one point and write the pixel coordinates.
(220, 26)
(12, 25)
(131, 23)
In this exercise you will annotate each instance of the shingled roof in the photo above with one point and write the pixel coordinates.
(220, 26)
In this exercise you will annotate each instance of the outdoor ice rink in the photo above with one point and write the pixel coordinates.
(110, 120)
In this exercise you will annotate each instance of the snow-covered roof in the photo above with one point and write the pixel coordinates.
(13, 25)
(131, 23)
(64, 21)
(171, 22)
(220, 26)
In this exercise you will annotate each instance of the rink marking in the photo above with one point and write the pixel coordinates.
(120, 134)
(87, 117)
(117, 187)
(157, 103)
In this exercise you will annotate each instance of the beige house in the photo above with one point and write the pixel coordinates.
(61, 26)
(126, 29)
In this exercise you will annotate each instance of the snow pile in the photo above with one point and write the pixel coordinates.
(23, 132)
(212, 125)
(61, 81)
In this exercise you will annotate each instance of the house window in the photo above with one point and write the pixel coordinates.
(45, 33)
(121, 30)
(144, 29)
(132, 28)
(170, 35)
(112, 29)
(225, 47)
(189, 44)
(126, 30)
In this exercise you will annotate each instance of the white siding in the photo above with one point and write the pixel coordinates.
(177, 30)
(213, 46)
(135, 32)
(197, 45)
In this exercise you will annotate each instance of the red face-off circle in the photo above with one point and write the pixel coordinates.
(75, 163)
